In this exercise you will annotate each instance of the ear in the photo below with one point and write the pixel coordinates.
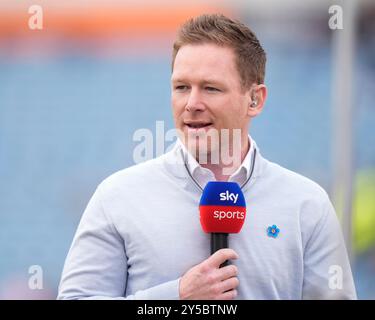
(257, 99)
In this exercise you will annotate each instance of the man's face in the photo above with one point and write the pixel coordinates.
(207, 94)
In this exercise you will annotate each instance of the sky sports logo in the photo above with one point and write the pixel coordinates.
(226, 196)
(221, 214)
(239, 215)
(222, 207)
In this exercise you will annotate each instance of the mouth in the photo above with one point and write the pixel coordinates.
(198, 125)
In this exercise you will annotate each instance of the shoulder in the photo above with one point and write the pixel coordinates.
(133, 175)
(137, 178)
(293, 184)
(296, 193)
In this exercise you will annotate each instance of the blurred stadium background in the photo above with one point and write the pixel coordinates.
(73, 94)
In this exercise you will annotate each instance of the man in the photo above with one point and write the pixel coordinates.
(140, 235)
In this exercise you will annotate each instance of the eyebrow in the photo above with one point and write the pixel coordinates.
(205, 81)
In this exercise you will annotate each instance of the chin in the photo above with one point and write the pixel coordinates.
(203, 149)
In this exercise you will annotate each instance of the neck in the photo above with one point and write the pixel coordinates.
(223, 171)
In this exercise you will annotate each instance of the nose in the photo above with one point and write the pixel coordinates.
(194, 102)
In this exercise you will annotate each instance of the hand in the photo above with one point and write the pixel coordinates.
(207, 281)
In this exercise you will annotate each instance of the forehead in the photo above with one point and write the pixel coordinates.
(205, 60)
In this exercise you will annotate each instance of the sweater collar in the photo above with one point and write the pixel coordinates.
(174, 164)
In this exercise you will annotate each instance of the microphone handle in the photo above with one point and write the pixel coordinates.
(219, 241)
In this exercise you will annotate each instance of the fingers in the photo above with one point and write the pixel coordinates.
(220, 256)
(208, 281)
(229, 284)
(229, 295)
(227, 272)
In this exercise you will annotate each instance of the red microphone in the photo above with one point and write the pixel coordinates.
(222, 210)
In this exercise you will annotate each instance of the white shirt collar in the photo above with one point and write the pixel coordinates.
(204, 175)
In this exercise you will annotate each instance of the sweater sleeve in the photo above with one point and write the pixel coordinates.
(96, 265)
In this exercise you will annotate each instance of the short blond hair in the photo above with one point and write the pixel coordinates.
(220, 30)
